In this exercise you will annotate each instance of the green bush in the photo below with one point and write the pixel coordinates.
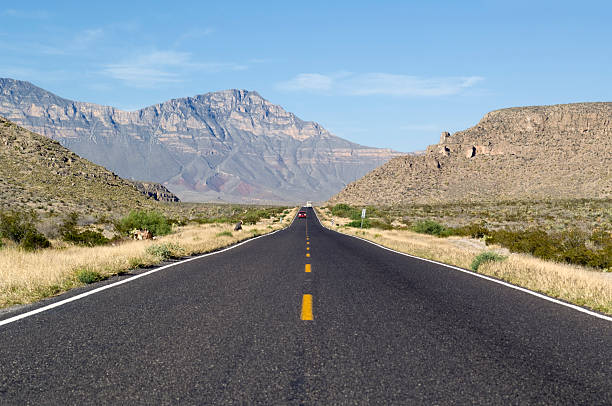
(225, 234)
(89, 238)
(375, 223)
(87, 276)
(153, 221)
(486, 257)
(14, 225)
(344, 210)
(165, 251)
(20, 228)
(569, 246)
(34, 240)
(247, 216)
(357, 223)
(471, 230)
(431, 227)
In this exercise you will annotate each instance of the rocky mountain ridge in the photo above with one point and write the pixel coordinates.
(231, 145)
(520, 153)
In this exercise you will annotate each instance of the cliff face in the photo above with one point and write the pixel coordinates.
(523, 153)
(231, 145)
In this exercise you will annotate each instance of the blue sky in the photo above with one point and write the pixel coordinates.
(386, 74)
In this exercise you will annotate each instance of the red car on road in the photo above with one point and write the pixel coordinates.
(302, 214)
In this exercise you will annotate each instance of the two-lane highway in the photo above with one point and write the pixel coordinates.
(307, 316)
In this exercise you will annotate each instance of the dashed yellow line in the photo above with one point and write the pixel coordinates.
(307, 255)
(307, 248)
(307, 268)
(307, 307)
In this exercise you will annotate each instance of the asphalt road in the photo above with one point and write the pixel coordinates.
(228, 328)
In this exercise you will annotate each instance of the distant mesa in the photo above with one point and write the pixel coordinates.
(231, 145)
(521, 153)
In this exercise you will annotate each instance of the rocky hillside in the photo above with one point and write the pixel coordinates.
(523, 153)
(39, 174)
(231, 145)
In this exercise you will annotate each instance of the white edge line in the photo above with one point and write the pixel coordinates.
(133, 278)
(531, 292)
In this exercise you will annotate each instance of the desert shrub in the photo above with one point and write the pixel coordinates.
(68, 231)
(87, 276)
(14, 225)
(248, 216)
(224, 234)
(534, 242)
(344, 210)
(34, 240)
(486, 257)
(153, 221)
(569, 246)
(473, 230)
(88, 238)
(357, 223)
(430, 227)
(20, 228)
(375, 223)
(165, 251)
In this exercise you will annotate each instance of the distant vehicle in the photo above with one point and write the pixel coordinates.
(309, 204)
(302, 214)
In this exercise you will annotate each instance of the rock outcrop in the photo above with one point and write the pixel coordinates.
(522, 153)
(231, 145)
(156, 191)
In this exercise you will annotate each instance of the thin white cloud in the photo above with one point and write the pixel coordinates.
(29, 14)
(159, 67)
(308, 82)
(192, 35)
(365, 84)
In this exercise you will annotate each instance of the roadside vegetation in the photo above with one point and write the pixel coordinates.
(79, 251)
(572, 263)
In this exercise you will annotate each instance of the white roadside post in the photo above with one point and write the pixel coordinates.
(363, 212)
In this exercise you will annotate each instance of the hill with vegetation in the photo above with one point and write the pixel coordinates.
(38, 174)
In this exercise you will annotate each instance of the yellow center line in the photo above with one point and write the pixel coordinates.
(307, 307)
(307, 248)
(307, 268)
(307, 243)
(307, 255)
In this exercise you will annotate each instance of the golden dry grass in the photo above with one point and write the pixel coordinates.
(26, 277)
(574, 284)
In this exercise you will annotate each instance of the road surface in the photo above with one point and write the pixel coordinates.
(235, 327)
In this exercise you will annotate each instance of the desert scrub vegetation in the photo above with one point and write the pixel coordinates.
(30, 276)
(248, 215)
(20, 228)
(570, 245)
(576, 284)
(165, 251)
(69, 233)
(153, 221)
(487, 256)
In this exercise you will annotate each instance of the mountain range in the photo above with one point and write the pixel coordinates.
(521, 153)
(230, 145)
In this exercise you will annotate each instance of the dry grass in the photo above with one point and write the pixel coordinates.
(26, 277)
(579, 285)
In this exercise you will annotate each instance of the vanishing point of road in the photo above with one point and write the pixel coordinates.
(305, 316)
